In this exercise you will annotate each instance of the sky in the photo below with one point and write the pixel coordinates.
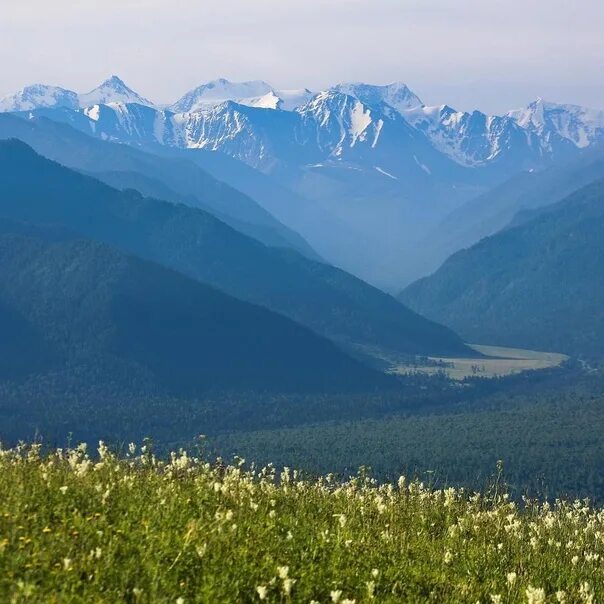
(492, 55)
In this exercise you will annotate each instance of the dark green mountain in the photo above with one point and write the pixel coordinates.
(69, 304)
(193, 242)
(496, 209)
(538, 285)
(172, 178)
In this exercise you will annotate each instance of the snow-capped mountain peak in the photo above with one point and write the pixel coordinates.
(342, 121)
(113, 90)
(39, 96)
(219, 91)
(580, 125)
(397, 95)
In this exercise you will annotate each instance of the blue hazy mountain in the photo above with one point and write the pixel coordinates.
(538, 284)
(329, 301)
(68, 304)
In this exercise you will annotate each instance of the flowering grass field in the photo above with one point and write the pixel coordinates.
(75, 528)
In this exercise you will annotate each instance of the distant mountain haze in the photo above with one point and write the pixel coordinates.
(362, 163)
(538, 284)
(195, 243)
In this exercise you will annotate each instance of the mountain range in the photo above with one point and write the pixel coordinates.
(371, 164)
(71, 304)
(538, 283)
(195, 243)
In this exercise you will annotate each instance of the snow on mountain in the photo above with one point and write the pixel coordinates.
(472, 139)
(255, 93)
(134, 123)
(292, 99)
(580, 125)
(344, 123)
(39, 96)
(396, 95)
(113, 90)
(269, 101)
(219, 91)
(339, 121)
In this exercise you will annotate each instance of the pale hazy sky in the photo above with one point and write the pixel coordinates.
(487, 54)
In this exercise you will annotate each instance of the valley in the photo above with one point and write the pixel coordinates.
(495, 361)
(301, 303)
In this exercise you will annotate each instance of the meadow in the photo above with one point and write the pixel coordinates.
(496, 361)
(98, 527)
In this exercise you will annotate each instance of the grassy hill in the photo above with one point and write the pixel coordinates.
(537, 285)
(195, 243)
(77, 528)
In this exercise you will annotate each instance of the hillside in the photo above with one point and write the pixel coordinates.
(538, 285)
(170, 178)
(66, 304)
(546, 432)
(195, 243)
(494, 210)
(81, 527)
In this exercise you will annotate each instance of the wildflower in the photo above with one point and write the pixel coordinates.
(448, 557)
(375, 573)
(180, 600)
(336, 595)
(262, 591)
(511, 577)
(535, 595)
(283, 571)
(132, 448)
(370, 588)
(496, 599)
(347, 601)
(63, 490)
(561, 597)
(67, 564)
(287, 586)
(586, 593)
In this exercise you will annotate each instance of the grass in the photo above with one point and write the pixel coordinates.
(137, 529)
(501, 362)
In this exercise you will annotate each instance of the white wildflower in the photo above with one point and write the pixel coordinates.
(535, 595)
(262, 591)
